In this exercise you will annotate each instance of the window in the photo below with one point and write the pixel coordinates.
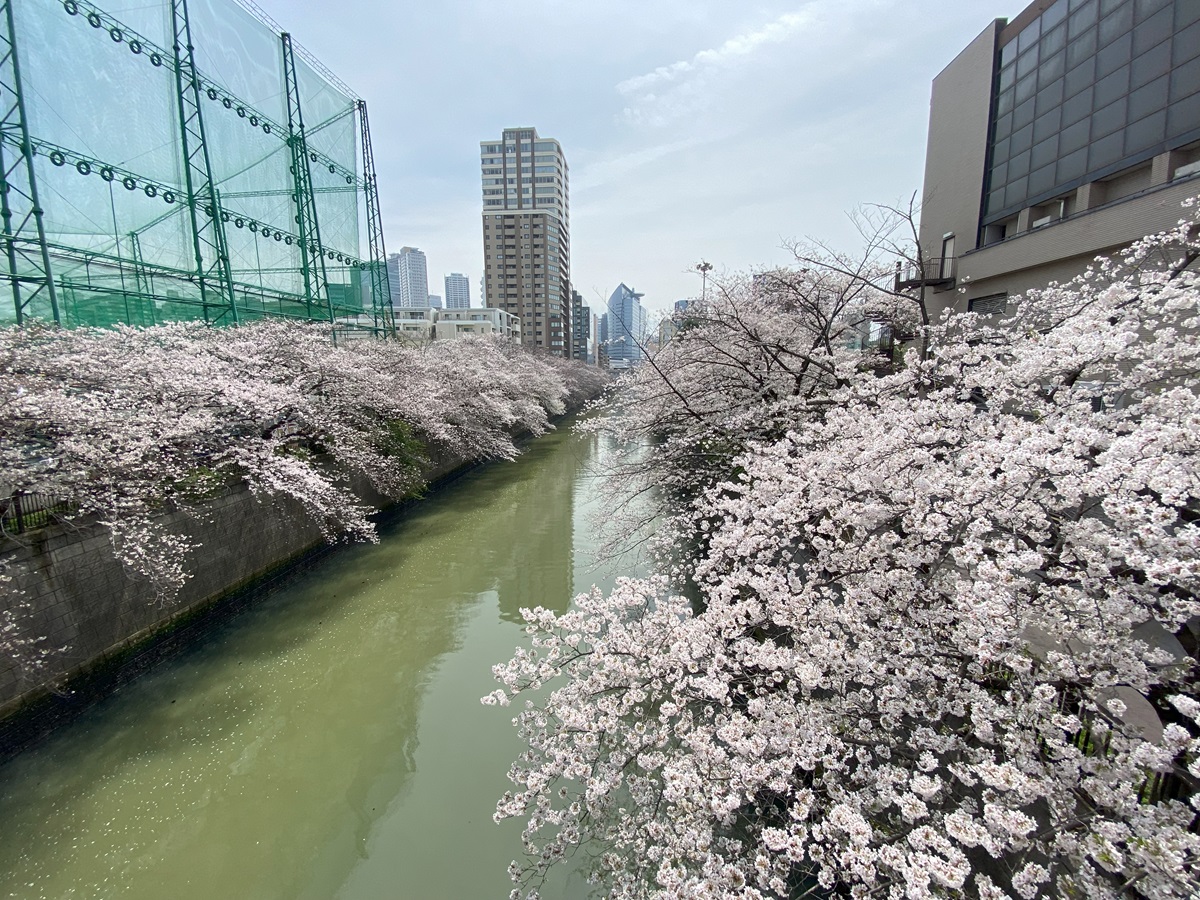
(991, 305)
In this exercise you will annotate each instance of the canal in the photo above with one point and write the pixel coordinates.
(330, 742)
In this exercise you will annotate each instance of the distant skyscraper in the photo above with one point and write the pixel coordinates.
(581, 323)
(435, 301)
(458, 291)
(409, 281)
(527, 235)
(626, 331)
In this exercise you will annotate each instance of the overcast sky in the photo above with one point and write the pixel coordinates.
(694, 129)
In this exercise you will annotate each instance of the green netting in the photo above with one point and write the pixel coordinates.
(103, 109)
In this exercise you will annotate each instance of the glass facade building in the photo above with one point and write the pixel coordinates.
(1066, 133)
(1086, 89)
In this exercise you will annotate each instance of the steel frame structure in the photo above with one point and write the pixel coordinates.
(210, 285)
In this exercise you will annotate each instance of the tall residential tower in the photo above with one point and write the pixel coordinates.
(409, 279)
(458, 291)
(527, 235)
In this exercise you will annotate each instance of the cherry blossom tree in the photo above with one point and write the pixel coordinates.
(945, 637)
(122, 425)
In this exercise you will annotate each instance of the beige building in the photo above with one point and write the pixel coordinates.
(452, 323)
(527, 235)
(1069, 132)
(420, 325)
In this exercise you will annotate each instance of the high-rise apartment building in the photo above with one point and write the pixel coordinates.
(581, 324)
(527, 235)
(1070, 131)
(625, 331)
(435, 301)
(458, 291)
(409, 279)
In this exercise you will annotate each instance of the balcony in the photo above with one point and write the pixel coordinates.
(935, 272)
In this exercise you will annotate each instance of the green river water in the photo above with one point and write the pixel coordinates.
(329, 743)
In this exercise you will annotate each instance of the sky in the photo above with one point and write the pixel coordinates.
(693, 129)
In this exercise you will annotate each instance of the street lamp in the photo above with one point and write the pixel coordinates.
(704, 267)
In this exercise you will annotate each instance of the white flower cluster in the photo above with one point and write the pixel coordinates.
(121, 425)
(942, 643)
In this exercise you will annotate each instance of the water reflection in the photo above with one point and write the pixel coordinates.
(329, 743)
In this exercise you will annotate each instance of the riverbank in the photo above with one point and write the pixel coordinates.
(329, 742)
(106, 622)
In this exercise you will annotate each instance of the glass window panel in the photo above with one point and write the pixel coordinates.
(1081, 48)
(1023, 115)
(1047, 125)
(1003, 127)
(1187, 44)
(1044, 153)
(1051, 69)
(1147, 133)
(1072, 166)
(1050, 98)
(1026, 63)
(1115, 55)
(1054, 15)
(1148, 99)
(1074, 137)
(1025, 88)
(1041, 180)
(995, 201)
(1185, 80)
(1080, 77)
(1019, 165)
(1028, 37)
(1022, 140)
(1150, 65)
(1183, 115)
(1144, 9)
(1186, 12)
(1106, 151)
(1108, 119)
(1111, 87)
(1007, 76)
(1107, 6)
(1014, 194)
(1004, 103)
(1115, 25)
(1152, 32)
(1054, 40)
(1078, 107)
(1000, 173)
(1008, 53)
(1083, 17)
(1000, 151)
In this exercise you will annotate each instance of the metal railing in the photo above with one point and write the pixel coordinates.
(933, 270)
(21, 512)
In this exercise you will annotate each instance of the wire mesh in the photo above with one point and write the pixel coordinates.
(106, 117)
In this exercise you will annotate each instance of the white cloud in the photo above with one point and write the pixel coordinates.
(685, 88)
(739, 46)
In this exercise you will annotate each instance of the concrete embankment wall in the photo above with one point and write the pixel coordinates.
(104, 625)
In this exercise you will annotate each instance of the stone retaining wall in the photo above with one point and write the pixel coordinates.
(105, 625)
